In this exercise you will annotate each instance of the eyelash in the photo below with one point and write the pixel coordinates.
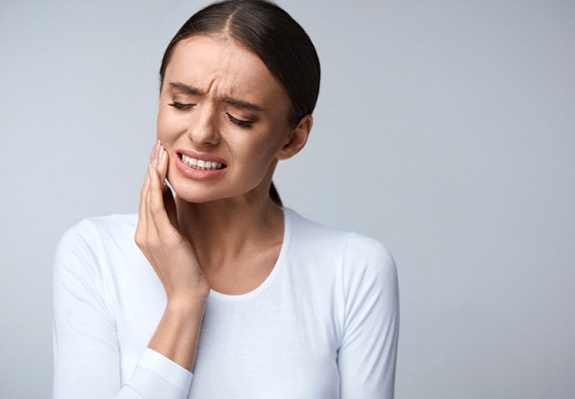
(239, 122)
(178, 105)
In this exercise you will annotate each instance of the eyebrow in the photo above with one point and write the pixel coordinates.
(242, 104)
(186, 89)
(229, 100)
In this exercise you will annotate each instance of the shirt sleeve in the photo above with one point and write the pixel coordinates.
(86, 349)
(368, 350)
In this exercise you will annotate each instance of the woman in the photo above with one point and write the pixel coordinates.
(225, 293)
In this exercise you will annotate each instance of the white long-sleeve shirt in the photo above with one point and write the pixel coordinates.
(324, 324)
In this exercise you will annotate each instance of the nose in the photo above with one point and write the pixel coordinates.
(204, 129)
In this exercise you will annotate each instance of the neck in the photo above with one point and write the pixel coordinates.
(223, 230)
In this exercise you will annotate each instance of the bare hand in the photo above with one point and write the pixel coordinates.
(159, 237)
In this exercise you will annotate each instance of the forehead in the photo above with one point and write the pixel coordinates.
(221, 65)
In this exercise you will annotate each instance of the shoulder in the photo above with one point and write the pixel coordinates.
(89, 239)
(354, 252)
(100, 227)
(367, 250)
(369, 265)
(322, 236)
(360, 270)
(313, 234)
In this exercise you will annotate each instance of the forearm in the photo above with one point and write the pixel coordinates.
(178, 332)
(176, 265)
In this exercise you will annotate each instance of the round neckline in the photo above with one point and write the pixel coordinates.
(269, 279)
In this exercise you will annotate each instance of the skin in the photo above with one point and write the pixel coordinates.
(223, 233)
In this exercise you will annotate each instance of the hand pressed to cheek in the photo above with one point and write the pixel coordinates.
(175, 264)
(158, 235)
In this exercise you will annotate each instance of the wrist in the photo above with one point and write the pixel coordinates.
(178, 333)
(180, 305)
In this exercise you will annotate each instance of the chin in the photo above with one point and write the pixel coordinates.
(196, 196)
(199, 192)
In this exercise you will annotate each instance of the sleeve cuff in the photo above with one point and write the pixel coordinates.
(168, 370)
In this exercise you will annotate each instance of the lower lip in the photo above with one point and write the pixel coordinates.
(197, 174)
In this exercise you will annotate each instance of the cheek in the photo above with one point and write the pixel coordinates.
(166, 128)
(262, 154)
(279, 137)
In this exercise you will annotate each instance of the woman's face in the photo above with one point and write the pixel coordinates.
(222, 120)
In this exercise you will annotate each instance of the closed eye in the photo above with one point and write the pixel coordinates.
(240, 122)
(181, 106)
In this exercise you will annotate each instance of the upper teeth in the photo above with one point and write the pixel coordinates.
(200, 164)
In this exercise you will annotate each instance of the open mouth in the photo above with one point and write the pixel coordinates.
(200, 164)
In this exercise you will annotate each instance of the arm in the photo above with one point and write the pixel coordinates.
(176, 265)
(86, 353)
(367, 355)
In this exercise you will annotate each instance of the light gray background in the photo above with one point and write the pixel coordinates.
(446, 129)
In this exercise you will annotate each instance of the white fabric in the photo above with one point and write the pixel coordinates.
(324, 324)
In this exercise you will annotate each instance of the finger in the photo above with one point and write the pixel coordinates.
(141, 228)
(167, 196)
(155, 149)
(149, 176)
(152, 233)
(146, 185)
(144, 202)
(162, 163)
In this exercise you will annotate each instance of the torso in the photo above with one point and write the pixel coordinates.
(280, 339)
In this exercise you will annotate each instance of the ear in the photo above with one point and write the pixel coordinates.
(296, 139)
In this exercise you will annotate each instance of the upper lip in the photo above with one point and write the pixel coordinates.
(203, 157)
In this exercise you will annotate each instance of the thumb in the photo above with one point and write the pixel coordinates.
(168, 196)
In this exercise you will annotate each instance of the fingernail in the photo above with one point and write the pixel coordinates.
(150, 171)
(162, 152)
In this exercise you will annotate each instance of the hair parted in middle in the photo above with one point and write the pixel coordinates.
(273, 35)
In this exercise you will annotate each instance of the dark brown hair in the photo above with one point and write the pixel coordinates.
(275, 37)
